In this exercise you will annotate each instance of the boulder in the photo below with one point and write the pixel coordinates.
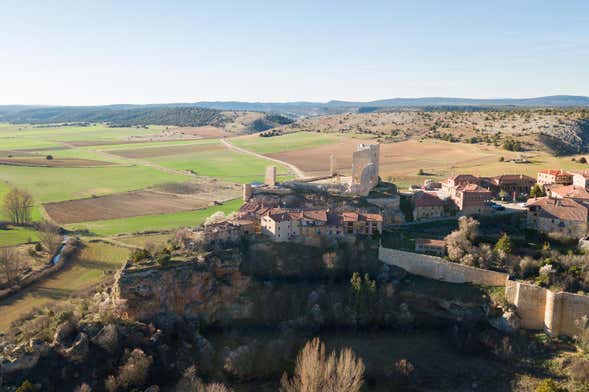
(508, 322)
(64, 333)
(79, 350)
(108, 338)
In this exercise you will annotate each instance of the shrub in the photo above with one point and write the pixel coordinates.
(139, 255)
(27, 386)
(49, 157)
(503, 247)
(501, 159)
(38, 247)
(134, 372)
(164, 257)
(549, 385)
(420, 172)
(315, 372)
(582, 160)
(580, 370)
(190, 382)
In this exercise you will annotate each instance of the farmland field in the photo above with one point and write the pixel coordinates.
(438, 159)
(291, 141)
(121, 205)
(57, 184)
(139, 224)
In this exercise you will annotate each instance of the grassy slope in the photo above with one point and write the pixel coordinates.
(80, 274)
(292, 141)
(153, 222)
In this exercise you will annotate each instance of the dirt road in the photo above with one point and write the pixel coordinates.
(298, 173)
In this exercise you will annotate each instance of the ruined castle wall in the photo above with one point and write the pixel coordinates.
(538, 308)
(572, 308)
(530, 302)
(437, 268)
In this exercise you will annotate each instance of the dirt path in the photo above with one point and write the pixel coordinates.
(298, 173)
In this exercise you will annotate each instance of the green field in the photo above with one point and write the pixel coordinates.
(138, 224)
(291, 141)
(58, 134)
(225, 165)
(81, 273)
(17, 235)
(57, 184)
(134, 146)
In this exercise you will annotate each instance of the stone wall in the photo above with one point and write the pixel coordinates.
(439, 269)
(538, 308)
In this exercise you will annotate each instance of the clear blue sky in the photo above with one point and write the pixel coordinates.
(98, 52)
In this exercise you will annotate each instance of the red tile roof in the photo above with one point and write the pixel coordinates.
(554, 172)
(427, 199)
(473, 188)
(570, 191)
(430, 242)
(563, 209)
(510, 178)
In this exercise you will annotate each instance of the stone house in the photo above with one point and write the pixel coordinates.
(285, 225)
(362, 223)
(453, 183)
(551, 176)
(577, 193)
(430, 246)
(563, 217)
(581, 179)
(227, 231)
(427, 205)
(511, 184)
(292, 225)
(473, 199)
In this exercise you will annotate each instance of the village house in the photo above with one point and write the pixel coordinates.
(551, 176)
(291, 225)
(577, 193)
(430, 246)
(427, 205)
(453, 183)
(581, 179)
(473, 199)
(512, 184)
(227, 231)
(563, 217)
(362, 223)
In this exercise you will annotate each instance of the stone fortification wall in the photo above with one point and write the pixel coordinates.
(538, 308)
(437, 268)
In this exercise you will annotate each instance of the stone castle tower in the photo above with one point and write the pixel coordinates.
(365, 161)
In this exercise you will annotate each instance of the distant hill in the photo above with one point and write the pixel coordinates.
(209, 112)
(334, 107)
(118, 115)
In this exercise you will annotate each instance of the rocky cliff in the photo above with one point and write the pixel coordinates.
(202, 287)
(266, 284)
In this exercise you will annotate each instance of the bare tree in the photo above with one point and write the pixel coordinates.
(316, 372)
(49, 237)
(10, 261)
(18, 205)
(190, 382)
